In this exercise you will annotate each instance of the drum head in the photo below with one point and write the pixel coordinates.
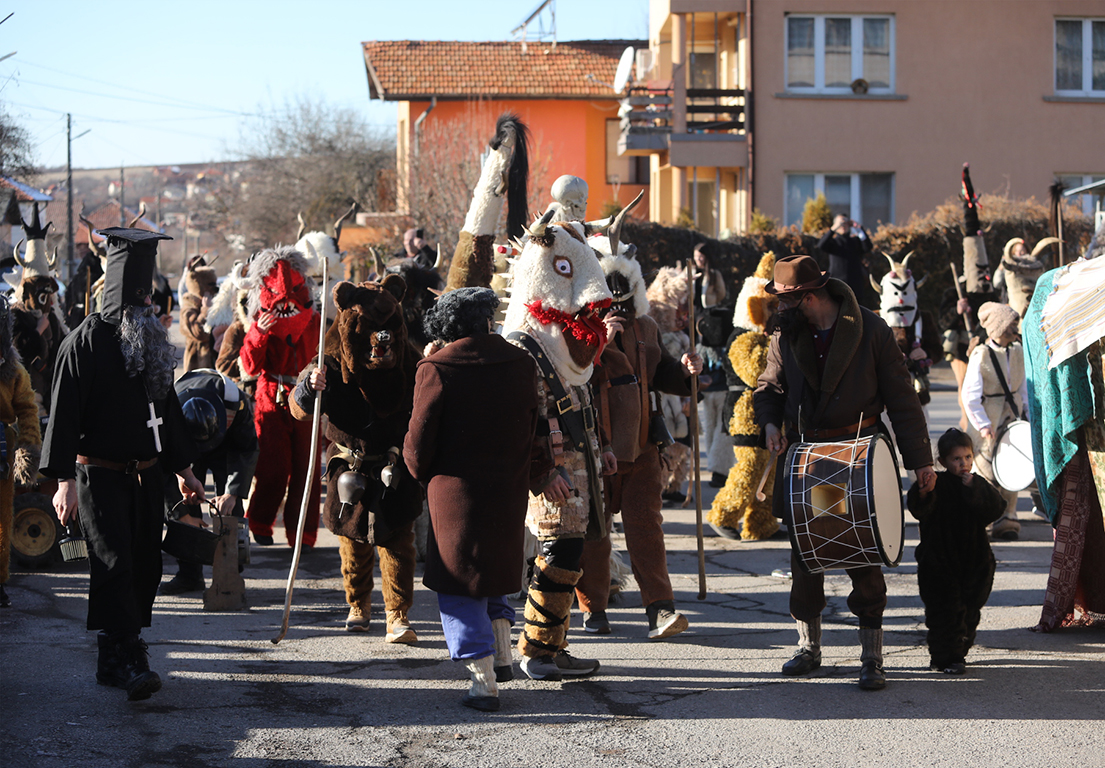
(886, 485)
(1012, 462)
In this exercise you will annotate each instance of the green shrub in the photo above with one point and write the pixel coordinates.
(816, 215)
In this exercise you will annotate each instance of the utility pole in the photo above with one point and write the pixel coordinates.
(69, 196)
(122, 199)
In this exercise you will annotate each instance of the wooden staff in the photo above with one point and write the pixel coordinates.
(312, 461)
(959, 293)
(694, 440)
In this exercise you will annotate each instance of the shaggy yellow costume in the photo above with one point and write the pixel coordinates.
(735, 505)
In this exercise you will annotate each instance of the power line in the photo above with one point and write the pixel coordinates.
(131, 99)
(183, 102)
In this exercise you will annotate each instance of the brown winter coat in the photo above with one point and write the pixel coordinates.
(199, 346)
(865, 373)
(619, 398)
(470, 441)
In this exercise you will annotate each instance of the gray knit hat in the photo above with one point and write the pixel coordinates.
(998, 319)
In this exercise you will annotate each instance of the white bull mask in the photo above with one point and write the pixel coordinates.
(898, 294)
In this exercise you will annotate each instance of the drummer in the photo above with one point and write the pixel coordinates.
(994, 393)
(832, 367)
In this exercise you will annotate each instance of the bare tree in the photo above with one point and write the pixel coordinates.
(16, 149)
(306, 157)
(446, 166)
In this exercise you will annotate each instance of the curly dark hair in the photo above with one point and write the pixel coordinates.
(461, 313)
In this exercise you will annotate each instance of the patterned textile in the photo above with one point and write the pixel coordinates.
(1074, 314)
(1060, 400)
(1076, 586)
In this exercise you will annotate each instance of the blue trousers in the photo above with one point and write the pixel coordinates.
(466, 622)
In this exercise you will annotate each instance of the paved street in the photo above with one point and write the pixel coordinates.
(712, 696)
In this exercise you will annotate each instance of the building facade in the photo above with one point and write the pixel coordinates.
(763, 104)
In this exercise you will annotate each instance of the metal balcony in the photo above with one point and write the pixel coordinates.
(647, 117)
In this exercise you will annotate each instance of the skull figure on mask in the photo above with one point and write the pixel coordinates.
(570, 193)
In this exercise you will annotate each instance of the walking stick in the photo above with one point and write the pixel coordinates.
(312, 461)
(959, 294)
(694, 441)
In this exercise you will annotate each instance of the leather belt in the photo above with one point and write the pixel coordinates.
(852, 429)
(132, 467)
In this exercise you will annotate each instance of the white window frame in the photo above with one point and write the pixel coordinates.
(855, 204)
(1087, 199)
(819, 52)
(1087, 57)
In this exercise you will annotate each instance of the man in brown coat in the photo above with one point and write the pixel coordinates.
(633, 365)
(835, 366)
(200, 288)
(470, 439)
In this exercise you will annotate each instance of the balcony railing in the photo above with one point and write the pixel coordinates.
(647, 116)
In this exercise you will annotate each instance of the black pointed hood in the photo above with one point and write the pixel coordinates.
(131, 261)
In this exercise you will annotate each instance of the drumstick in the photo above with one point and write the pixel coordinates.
(760, 495)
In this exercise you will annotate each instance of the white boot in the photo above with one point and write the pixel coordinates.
(484, 693)
(504, 663)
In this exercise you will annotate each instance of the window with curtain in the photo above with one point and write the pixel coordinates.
(1080, 57)
(864, 197)
(827, 54)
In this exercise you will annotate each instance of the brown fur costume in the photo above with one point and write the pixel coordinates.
(368, 400)
(199, 344)
(735, 504)
(667, 299)
(20, 423)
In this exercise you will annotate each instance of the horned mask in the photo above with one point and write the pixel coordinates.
(898, 293)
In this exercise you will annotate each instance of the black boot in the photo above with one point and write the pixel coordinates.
(124, 663)
(189, 578)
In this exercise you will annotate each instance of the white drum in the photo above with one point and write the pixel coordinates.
(1012, 461)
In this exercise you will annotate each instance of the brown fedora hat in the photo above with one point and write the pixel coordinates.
(796, 273)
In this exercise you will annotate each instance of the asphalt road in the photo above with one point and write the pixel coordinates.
(712, 696)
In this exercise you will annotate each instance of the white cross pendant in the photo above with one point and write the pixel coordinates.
(153, 423)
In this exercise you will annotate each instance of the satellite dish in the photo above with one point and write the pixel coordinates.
(625, 66)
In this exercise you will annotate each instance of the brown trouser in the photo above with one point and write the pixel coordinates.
(635, 492)
(396, 570)
(867, 600)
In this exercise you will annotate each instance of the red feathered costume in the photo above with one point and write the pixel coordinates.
(276, 355)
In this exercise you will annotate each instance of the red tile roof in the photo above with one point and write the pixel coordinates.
(23, 192)
(409, 70)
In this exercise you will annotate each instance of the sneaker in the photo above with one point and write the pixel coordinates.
(802, 663)
(664, 621)
(951, 668)
(675, 496)
(180, 584)
(570, 666)
(596, 623)
(717, 480)
(357, 620)
(541, 668)
(727, 532)
(872, 677)
(1006, 530)
(399, 629)
(264, 541)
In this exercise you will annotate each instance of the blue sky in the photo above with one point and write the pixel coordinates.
(169, 82)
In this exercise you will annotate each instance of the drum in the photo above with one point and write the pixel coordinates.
(845, 502)
(1012, 462)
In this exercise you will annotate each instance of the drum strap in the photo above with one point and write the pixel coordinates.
(1004, 385)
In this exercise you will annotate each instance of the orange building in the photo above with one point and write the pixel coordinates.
(559, 90)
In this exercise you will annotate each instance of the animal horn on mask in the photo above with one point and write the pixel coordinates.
(538, 228)
(338, 223)
(905, 261)
(15, 253)
(53, 260)
(100, 249)
(302, 226)
(141, 213)
(1043, 244)
(615, 230)
(439, 262)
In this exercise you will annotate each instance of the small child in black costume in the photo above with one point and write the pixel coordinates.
(955, 566)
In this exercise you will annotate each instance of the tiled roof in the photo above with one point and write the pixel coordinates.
(107, 215)
(24, 193)
(407, 70)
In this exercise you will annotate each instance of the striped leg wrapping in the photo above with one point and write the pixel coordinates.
(548, 610)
